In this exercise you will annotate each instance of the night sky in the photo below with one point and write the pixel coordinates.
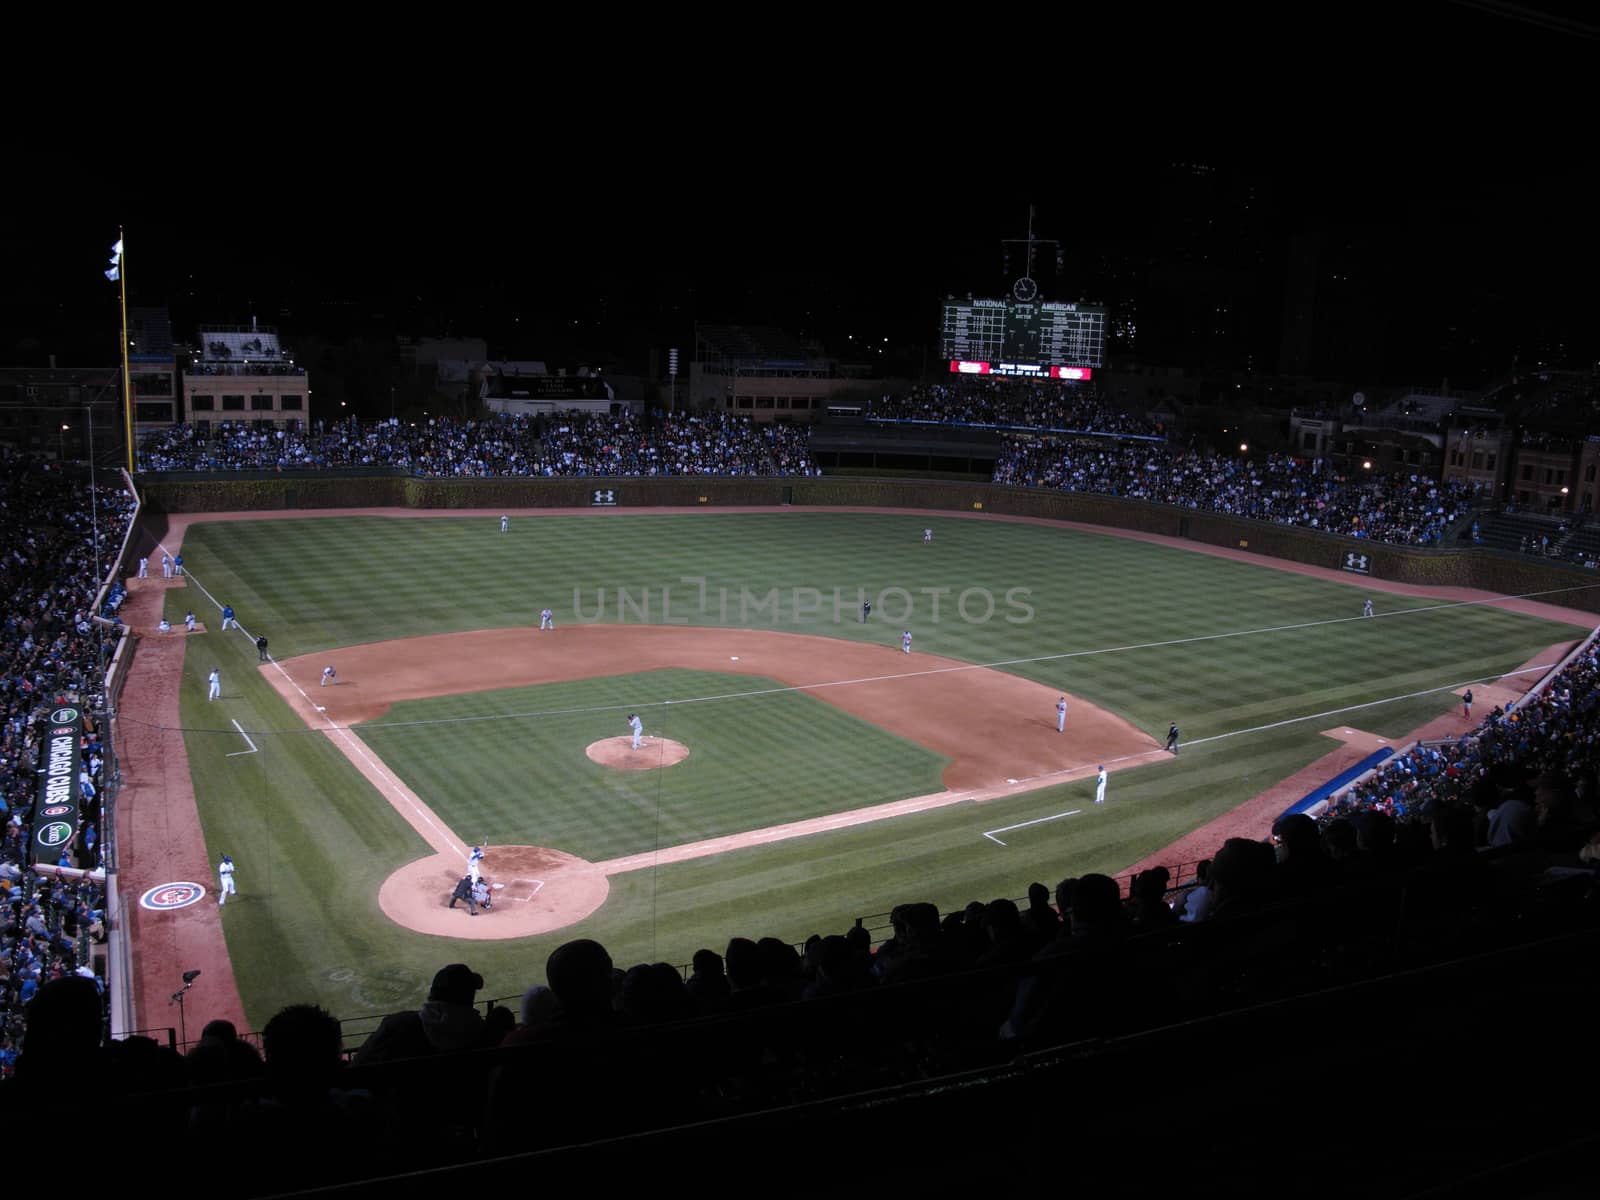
(1408, 283)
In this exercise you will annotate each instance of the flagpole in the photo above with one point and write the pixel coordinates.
(127, 386)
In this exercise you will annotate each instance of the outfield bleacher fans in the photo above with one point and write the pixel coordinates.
(443, 447)
(1410, 510)
(1016, 403)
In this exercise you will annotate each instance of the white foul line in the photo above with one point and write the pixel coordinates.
(248, 742)
(398, 788)
(990, 834)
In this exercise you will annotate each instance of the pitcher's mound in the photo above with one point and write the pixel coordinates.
(654, 752)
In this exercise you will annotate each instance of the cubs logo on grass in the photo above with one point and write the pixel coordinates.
(171, 895)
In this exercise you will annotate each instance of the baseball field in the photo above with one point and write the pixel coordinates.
(798, 768)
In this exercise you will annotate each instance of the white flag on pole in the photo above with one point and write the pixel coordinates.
(115, 273)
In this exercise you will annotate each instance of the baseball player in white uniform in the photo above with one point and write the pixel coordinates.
(1366, 608)
(474, 863)
(225, 881)
(927, 535)
(905, 641)
(144, 568)
(215, 680)
(188, 620)
(547, 619)
(329, 675)
(166, 566)
(1100, 787)
(164, 625)
(1061, 715)
(505, 524)
(638, 728)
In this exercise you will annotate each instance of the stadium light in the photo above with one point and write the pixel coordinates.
(1244, 447)
(1366, 464)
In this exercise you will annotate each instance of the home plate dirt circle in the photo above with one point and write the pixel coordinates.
(534, 890)
(654, 753)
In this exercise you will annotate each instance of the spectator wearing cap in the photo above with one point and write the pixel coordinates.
(446, 1022)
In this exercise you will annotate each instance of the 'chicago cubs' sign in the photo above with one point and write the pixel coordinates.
(55, 807)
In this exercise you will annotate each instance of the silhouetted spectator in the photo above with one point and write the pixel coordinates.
(1147, 900)
(708, 984)
(1010, 940)
(747, 976)
(1303, 867)
(1197, 901)
(1045, 921)
(1242, 872)
(447, 1021)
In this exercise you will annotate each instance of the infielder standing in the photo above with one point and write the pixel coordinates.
(638, 728)
(215, 680)
(166, 566)
(144, 568)
(1100, 787)
(547, 619)
(1061, 715)
(905, 641)
(225, 880)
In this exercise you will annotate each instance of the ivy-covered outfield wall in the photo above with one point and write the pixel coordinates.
(238, 492)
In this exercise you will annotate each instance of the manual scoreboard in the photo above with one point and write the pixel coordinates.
(1013, 337)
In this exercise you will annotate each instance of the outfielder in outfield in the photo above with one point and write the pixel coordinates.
(225, 880)
(547, 619)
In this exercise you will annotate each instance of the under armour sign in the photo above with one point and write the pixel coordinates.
(1359, 563)
(603, 496)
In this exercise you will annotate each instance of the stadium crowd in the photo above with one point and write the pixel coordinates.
(561, 444)
(1016, 403)
(51, 649)
(1528, 776)
(1411, 510)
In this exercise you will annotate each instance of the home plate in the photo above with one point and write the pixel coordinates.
(321, 709)
(733, 658)
(1011, 781)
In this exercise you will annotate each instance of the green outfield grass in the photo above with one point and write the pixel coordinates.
(1152, 633)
